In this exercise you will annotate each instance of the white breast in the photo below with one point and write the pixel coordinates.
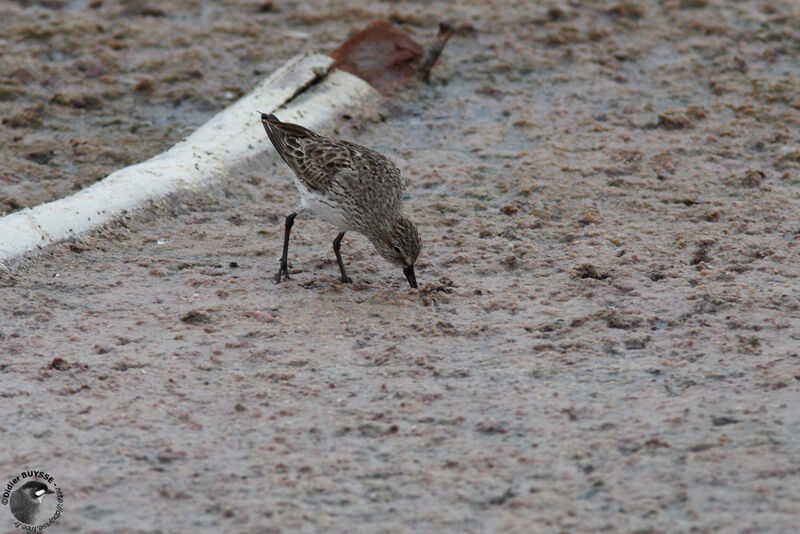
(322, 207)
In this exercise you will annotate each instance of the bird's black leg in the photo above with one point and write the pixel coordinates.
(284, 270)
(337, 245)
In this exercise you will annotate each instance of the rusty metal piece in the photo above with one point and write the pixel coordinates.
(381, 54)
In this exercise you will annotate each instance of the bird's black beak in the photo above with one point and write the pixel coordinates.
(409, 272)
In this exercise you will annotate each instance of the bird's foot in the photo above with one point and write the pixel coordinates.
(282, 273)
(346, 280)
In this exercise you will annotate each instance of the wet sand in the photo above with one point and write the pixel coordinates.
(606, 333)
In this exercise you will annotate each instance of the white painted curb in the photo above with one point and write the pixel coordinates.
(230, 138)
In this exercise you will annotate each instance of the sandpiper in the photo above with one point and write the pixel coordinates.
(349, 186)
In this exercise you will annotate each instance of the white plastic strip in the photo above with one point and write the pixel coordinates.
(230, 138)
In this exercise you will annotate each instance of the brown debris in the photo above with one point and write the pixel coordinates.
(589, 217)
(78, 101)
(8, 204)
(564, 35)
(145, 85)
(510, 209)
(630, 10)
(382, 55)
(266, 7)
(673, 119)
(700, 255)
(140, 9)
(697, 112)
(663, 164)
(753, 178)
(587, 270)
(196, 317)
(555, 14)
(445, 32)
(24, 118)
(41, 156)
(627, 162)
(59, 364)
(712, 215)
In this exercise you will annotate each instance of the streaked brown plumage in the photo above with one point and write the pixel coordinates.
(349, 186)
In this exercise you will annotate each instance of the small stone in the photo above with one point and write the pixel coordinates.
(196, 317)
(59, 364)
(722, 420)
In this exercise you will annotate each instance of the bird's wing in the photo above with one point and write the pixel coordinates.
(381, 182)
(321, 163)
(316, 160)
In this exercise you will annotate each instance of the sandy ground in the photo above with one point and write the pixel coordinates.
(607, 332)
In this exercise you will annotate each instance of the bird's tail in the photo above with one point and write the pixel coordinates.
(281, 132)
(277, 137)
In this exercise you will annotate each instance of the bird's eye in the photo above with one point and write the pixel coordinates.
(397, 249)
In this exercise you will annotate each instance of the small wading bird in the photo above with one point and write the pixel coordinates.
(26, 502)
(349, 186)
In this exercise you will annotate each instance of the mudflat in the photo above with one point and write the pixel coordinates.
(606, 334)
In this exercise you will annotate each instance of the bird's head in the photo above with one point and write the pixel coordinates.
(400, 245)
(35, 490)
